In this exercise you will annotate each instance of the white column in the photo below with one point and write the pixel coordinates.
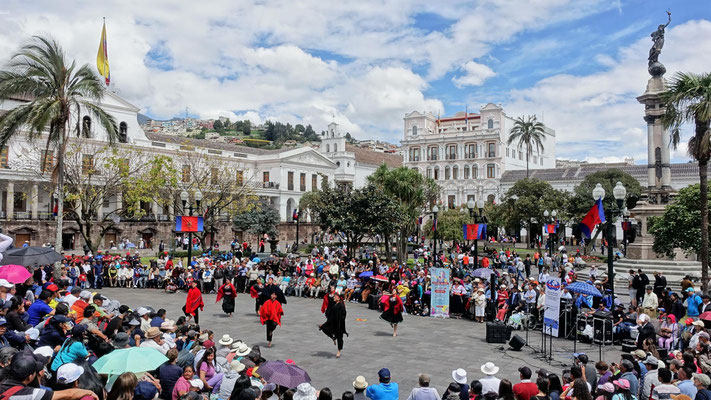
(154, 208)
(666, 166)
(651, 180)
(119, 201)
(171, 210)
(34, 201)
(100, 209)
(10, 206)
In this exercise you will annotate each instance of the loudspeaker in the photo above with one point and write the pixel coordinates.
(517, 343)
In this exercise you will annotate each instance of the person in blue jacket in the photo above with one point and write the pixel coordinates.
(385, 390)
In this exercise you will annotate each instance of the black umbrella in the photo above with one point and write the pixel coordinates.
(30, 255)
(267, 294)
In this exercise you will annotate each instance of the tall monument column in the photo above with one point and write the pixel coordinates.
(658, 160)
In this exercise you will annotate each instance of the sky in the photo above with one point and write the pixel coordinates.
(576, 64)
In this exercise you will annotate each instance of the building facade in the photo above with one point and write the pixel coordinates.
(468, 153)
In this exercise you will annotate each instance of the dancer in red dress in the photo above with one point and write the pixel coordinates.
(270, 314)
(392, 310)
(228, 291)
(193, 303)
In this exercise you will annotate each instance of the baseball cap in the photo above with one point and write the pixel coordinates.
(69, 373)
(704, 335)
(196, 383)
(52, 287)
(24, 364)
(145, 391)
(100, 297)
(142, 311)
(384, 373)
(75, 290)
(651, 360)
(5, 283)
(85, 294)
(703, 378)
(3, 321)
(61, 319)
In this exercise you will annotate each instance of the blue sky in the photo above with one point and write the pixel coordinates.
(576, 64)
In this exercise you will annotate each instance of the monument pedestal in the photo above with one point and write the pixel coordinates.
(641, 249)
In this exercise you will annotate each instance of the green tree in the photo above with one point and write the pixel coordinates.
(246, 127)
(218, 126)
(299, 128)
(688, 99)
(413, 193)
(529, 133)
(680, 225)
(449, 225)
(61, 93)
(582, 200)
(258, 219)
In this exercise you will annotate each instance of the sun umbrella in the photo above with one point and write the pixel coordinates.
(30, 255)
(134, 359)
(584, 288)
(482, 273)
(380, 278)
(256, 260)
(365, 274)
(14, 273)
(706, 315)
(283, 374)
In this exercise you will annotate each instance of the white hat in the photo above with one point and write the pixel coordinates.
(33, 333)
(460, 376)
(5, 283)
(142, 311)
(489, 368)
(360, 382)
(237, 366)
(69, 373)
(85, 294)
(196, 383)
(45, 351)
(305, 392)
(226, 340)
(242, 350)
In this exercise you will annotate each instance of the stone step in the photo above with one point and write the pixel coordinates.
(660, 263)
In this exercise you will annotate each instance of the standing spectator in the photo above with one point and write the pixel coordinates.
(650, 303)
(693, 303)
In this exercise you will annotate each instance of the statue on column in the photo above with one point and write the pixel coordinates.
(657, 69)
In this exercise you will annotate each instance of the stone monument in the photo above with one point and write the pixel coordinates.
(659, 191)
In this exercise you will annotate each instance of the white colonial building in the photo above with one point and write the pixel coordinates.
(468, 153)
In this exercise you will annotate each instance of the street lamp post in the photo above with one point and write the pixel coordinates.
(297, 218)
(435, 210)
(619, 192)
(471, 205)
(184, 196)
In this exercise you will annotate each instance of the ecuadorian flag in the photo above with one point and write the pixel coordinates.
(595, 216)
(102, 57)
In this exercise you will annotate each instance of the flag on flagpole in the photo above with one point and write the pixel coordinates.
(188, 224)
(102, 57)
(551, 228)
(595, 216)
(474, 231)
(626, 225)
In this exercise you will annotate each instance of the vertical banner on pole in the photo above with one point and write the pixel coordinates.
(551, 316)
(439, 298)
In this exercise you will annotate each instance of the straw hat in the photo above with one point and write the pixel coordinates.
(360, 382)
(242, 350)
(226, 340)
(154, 331)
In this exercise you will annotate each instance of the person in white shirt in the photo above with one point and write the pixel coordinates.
(154, 339)
(73, 296)
(424, 391)
(490, 384)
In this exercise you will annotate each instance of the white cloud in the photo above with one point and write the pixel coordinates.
(474, 75)
(597, 115)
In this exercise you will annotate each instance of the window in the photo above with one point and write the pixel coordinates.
(520, 155)
(265, 176)
(414, 130)
(451, 201)
(335, 148)
(429, 172)
(475, 171)
(290, 180)
(186, 173)
(432, 153)
(436, 173)
(466, 172)
(214, 173)
(86, 127)
(415, 154)
(541, 158)
(535, 160)
(492, 149)
(446, 173)
(324, 180)
(4, 157)
(48, 161)
(314, 182)
(106, 202)
(491, 170)
(302, 182)
(490, 199)
(513, 153)
(490, 124)
(470, 197)
(455, 172)
(507, 152)
(452, 152)
(471, 150)
(87, 164)
(123, 133)
(240, 177)
(328, 148)
(19, 202)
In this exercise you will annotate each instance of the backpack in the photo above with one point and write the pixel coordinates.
(185, 356)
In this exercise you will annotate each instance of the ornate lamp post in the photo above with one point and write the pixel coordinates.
(471, 205)
(184, 196)
(619, 192)
(552, 237)
(435, 210)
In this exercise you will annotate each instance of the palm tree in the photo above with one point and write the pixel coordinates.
(688, 99)
(57, 94)
(528, 132)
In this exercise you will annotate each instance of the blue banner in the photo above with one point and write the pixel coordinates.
(439, 298)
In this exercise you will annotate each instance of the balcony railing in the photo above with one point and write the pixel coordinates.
(432, 157)
(163, 217)
(470, 156)
(491, 154)
(450, 156)
(22, 215)
(415, 158)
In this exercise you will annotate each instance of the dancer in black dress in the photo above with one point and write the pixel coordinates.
(335, 325)
(392, 310)
(227, 292)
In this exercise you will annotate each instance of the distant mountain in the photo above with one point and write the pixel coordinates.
(143, 119)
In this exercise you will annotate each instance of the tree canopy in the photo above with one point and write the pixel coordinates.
(526, 202)
(680, 225)
(582, 199)
(258, 219)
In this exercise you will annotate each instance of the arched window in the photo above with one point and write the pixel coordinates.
(86, 127)
(490, 199)
(466, 172)
(490, 124)
(436, 173)
(335, 147)
(455, 172)
(491, 170)
(475, 171)
(123, 133)
(414, 130)
(429, 172)
(446, 173)
(328, 148)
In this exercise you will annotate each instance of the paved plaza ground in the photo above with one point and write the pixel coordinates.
(423, 344)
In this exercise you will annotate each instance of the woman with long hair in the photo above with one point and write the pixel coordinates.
(194, 303)
(506, 390)
(207, 371)
(72, 349)
(242, 382)
(335, 325)
(580, 390)
(392, 310)
(124, 387)
(228, 293)
(90, 380)
(554, 387)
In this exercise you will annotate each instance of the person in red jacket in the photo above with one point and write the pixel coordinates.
(193, 303)
(270, 314)
(525, 389)
(392, 310)
(228, 292)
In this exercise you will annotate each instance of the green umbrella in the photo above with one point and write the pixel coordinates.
(134, 359)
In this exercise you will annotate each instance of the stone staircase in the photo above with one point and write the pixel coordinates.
(674, 271)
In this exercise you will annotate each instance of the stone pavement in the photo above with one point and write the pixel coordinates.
(433, 346)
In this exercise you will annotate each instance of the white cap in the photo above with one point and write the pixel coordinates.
(69, 373)
(5, 283)
(197, 383)
(45, 351)
(142, 311)
(33, 333)
(85, 294)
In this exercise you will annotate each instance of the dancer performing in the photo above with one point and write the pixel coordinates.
(392, 310)
(270, 314)
(335, 325)
(228, 293)
(193, 303)
(256, 292)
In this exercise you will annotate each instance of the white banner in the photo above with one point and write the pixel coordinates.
(551, 315)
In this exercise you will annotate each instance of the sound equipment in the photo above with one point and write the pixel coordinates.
(602, 328)
(372, 302)
(663, 353)
(517, 343)
(497, 332)
(628, 345)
